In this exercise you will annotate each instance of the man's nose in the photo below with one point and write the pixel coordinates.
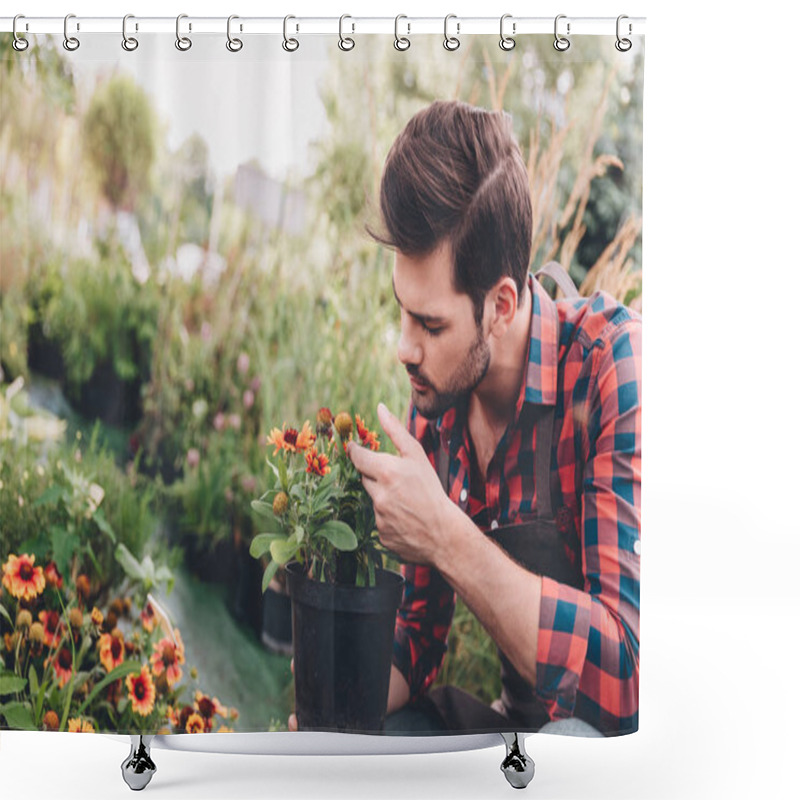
(408, 349)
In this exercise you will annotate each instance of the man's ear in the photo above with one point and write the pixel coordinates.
(502, 302)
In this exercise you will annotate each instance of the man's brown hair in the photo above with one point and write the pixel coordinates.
(456, 172)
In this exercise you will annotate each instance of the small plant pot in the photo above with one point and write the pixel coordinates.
(343, 638)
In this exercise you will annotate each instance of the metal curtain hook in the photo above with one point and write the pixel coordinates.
(561, 43)
(451, 42)
(128, 42)
(345, 42)
(401, 42)
(19, 44)
(70, 42)
(623, 45)
(290, 45)
(183, 43)
(234, 45)
(507, 42)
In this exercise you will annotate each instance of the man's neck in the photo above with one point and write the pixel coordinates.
(492, 404)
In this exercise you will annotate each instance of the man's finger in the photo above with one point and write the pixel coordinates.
(292, 722)
(396, 431)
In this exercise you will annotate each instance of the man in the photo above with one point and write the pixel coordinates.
(517, 478)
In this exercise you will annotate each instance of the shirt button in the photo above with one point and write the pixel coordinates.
(637, 547)
(463, 495)
(495, 525)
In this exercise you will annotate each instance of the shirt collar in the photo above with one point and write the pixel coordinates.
(540, 382)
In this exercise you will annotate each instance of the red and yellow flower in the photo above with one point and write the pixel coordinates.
(53, 576)
(195, 724)
(22, 579)
(62, 664)
(149, 618)
(368, 438)
(317, 463)
(141, 691)
(78, 725)
(53, 627)
(291, 440)
(112, 650)
(168, 657)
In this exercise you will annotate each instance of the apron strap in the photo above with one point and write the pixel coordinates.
(554, 270)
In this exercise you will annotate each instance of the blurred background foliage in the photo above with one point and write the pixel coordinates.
(143, 291)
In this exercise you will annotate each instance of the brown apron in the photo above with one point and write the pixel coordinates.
(538, 546)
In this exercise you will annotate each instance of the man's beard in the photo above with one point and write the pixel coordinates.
(469, 373)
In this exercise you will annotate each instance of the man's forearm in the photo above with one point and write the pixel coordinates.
(399, 693)
(504, 596)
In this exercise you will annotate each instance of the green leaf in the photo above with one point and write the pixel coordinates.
(272, 523)
(164, 575)
(11, 683)
(339, 534)
(260, 545)
(119, 672)
(102, 523)
(17, 716)
(284, 550)
(283, 474)
(269, 574)
(49, 495)
(65, 545)
(132, 567)
(6, 614)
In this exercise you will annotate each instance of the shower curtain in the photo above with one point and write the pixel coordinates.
(217, 261)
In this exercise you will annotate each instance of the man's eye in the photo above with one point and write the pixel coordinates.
(432, 331)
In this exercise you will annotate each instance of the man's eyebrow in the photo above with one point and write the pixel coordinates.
(427, 319)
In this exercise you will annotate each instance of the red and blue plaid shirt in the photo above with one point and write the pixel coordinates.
(584, 357)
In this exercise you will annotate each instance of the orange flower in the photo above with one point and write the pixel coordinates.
(112, 651)
(208, 706)
(52, 627)
(168, 656)
(97, 616)
(195, 724)
(141, 691)
(62, 666)
(224, 729)
(21, 578)
(291, 440)
(78, 725)
(148, 616)
(53, 576)
(368, 438)
(317, 463)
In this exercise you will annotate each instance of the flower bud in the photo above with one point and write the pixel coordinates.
(36, 633)
(51, 721)
(280, 504)
(344, 424)
(75, 617)
(24, 619)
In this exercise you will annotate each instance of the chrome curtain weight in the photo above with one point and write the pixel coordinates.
(401, 43)
(129, 43)
(623, 45)
(507, 42)
(345, 42)
(71, 43)
(289, 44)
(233, 44)
(19, 44)
(561, 43)
(451, 43)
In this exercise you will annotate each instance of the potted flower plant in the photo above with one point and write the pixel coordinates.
(319, 524)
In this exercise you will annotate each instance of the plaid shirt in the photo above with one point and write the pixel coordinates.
(588, 643)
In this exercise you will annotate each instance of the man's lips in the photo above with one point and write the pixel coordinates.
(420, 386)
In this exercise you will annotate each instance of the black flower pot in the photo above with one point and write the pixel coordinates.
(343, 639)
(276, 621)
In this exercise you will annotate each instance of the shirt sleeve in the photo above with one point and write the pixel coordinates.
(588, 644)
(426, 609)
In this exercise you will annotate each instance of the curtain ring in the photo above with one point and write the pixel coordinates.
(561, 43)
(451, 42)
(183, 43)
(71, 43)
(401, 42)
(19, 44)
(234, 45)
(623, 45)
(289, 45)
(345, 42)
(507, 42)
(128, 42)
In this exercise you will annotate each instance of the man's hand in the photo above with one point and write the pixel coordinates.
(411, 507)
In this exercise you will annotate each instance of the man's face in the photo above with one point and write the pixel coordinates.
(444, 352)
